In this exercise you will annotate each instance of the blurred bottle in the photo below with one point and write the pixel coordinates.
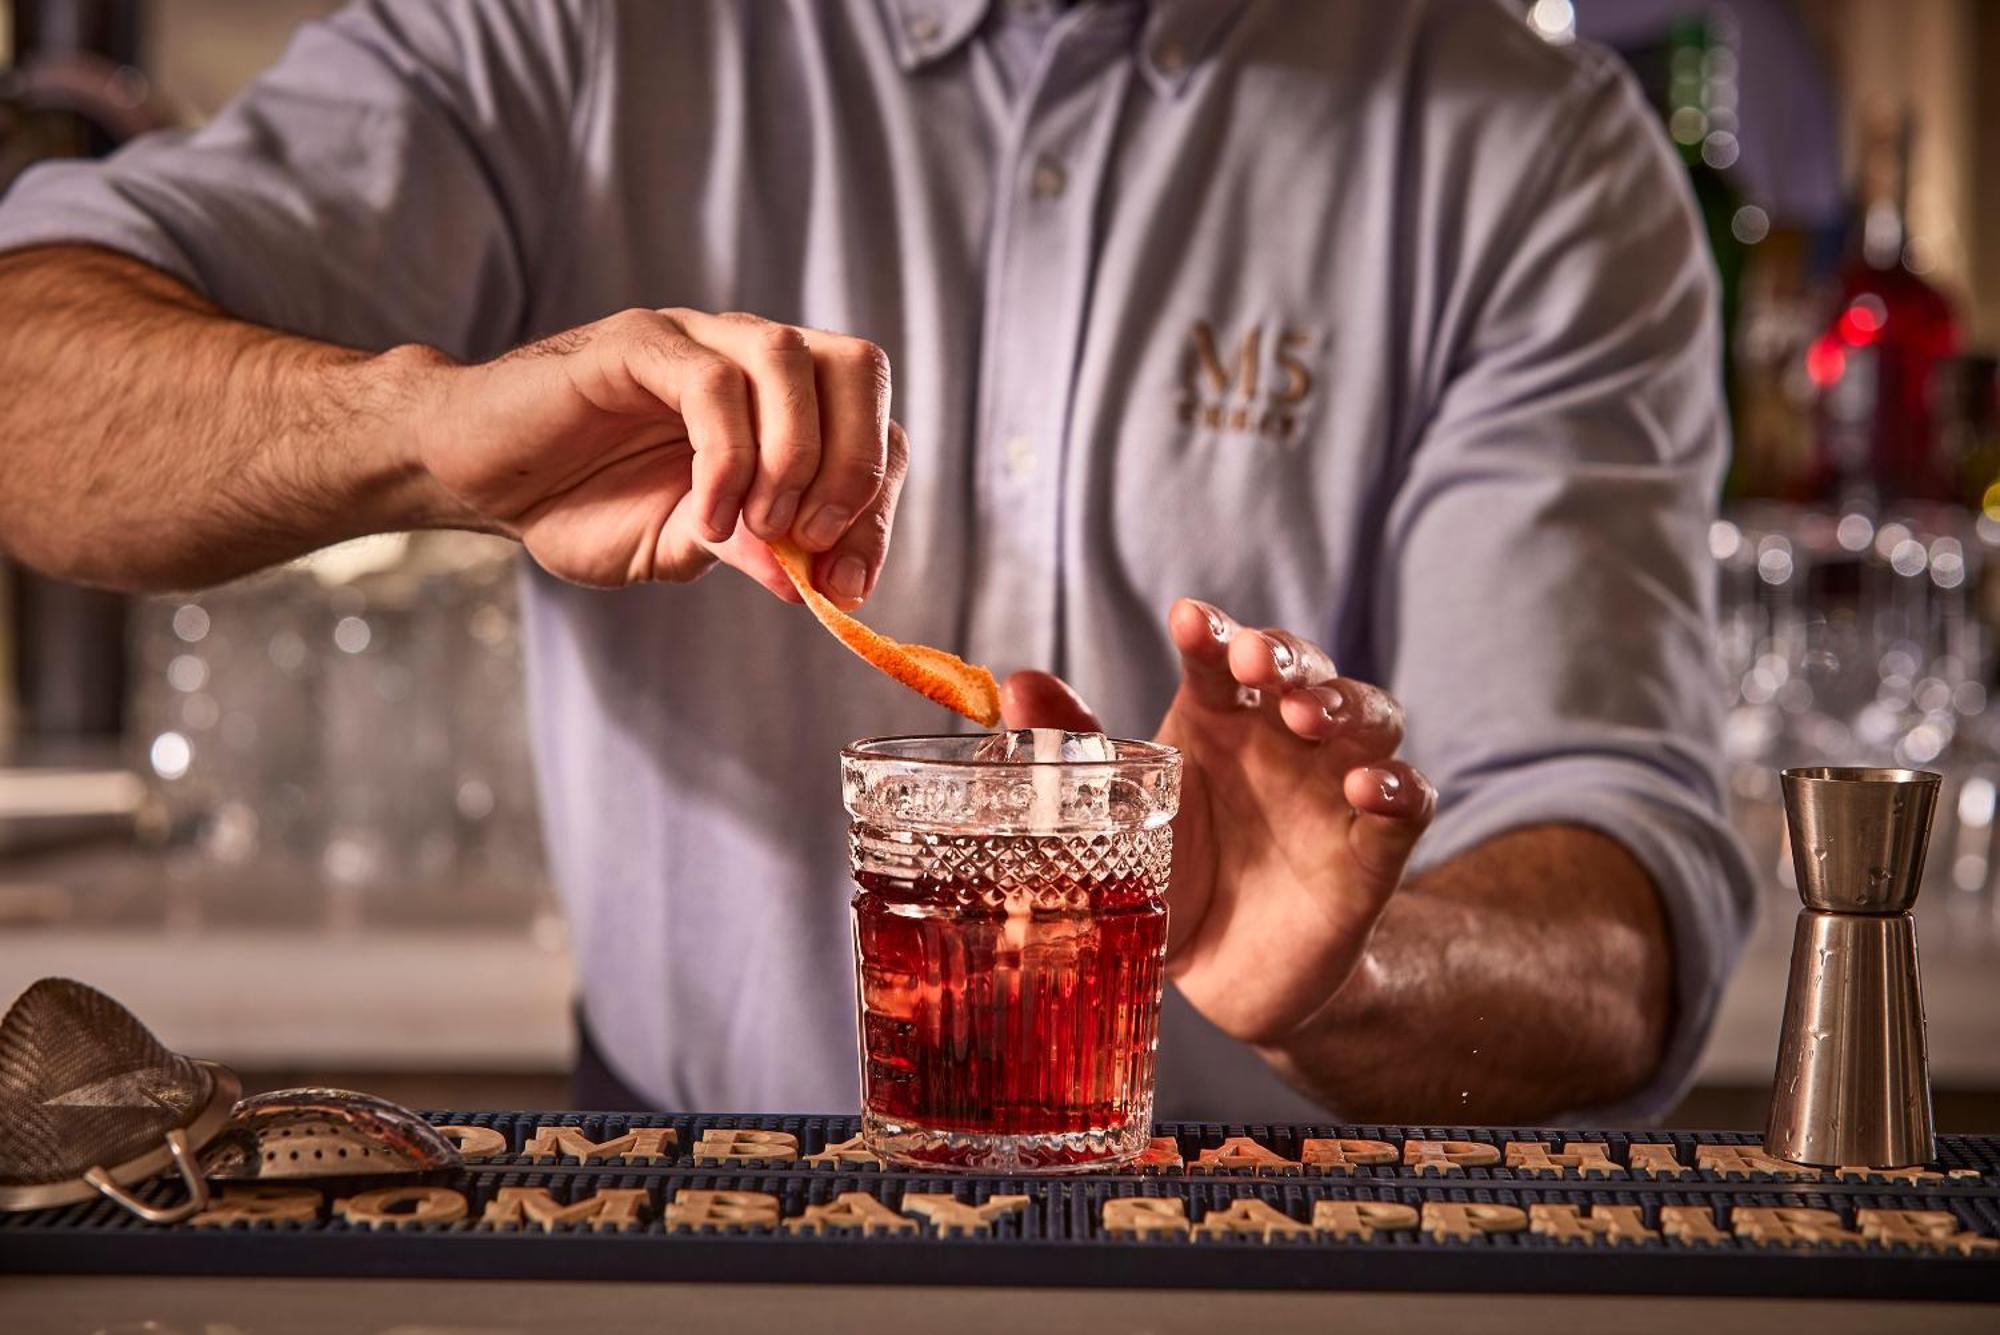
(67, 672)
(1878, 355)
(1966, 402)
(1968, 410)
(1700, 106)
(1775, 455)
(68, 87)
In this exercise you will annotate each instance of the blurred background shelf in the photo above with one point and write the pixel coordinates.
(442, 1002)
(1964, 1022)
(441, 1012)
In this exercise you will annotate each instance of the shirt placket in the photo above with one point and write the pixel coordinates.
(1037, 292)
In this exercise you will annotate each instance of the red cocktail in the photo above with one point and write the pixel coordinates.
(1009, 932)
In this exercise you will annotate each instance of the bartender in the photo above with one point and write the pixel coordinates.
(1327, 388)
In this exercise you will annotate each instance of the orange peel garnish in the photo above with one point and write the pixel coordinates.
(932, 673)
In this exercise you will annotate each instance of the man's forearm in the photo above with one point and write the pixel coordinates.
(148, 441)
(1528, 977)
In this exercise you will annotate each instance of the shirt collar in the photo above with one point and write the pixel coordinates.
(1177, 37)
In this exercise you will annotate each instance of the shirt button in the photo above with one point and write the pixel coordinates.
(1018, 454)
(923, 28)
(1049, 178)
(1172, 58)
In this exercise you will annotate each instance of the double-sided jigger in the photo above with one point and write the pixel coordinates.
(1853, 1086)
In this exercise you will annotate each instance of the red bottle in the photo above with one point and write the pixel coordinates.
(1875, 363)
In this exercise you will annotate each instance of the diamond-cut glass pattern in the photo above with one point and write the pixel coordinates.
(989, 871)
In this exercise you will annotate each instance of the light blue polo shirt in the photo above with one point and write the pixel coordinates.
(1383, 322)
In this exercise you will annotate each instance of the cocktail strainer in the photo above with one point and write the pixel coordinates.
(91, 1102)
(294, 1133)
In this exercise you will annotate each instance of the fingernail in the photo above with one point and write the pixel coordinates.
(1390, 785)
(1330, 702)
(1281, 653)
(1217, 627)
(783, 509)
(827, 524)
(849, 577)
(721, 521)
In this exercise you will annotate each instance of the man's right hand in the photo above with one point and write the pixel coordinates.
(651, 444)
(192, 447)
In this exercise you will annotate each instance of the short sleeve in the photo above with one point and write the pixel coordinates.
(1546, 592)
(392, 179)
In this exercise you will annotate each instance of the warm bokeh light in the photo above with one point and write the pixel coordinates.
(1862, 320)
(1825, 361)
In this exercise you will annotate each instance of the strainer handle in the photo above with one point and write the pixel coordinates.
(197, 1186)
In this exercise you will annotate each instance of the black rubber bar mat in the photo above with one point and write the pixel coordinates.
(794, 1199)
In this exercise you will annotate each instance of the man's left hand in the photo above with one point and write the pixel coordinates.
(1296, 818)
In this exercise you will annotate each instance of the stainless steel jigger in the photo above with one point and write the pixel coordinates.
(1853, 1086)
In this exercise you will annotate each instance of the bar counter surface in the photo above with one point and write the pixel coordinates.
(560, 1221)
(187, 1306)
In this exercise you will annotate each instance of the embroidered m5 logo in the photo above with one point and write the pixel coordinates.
(1256, 385)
